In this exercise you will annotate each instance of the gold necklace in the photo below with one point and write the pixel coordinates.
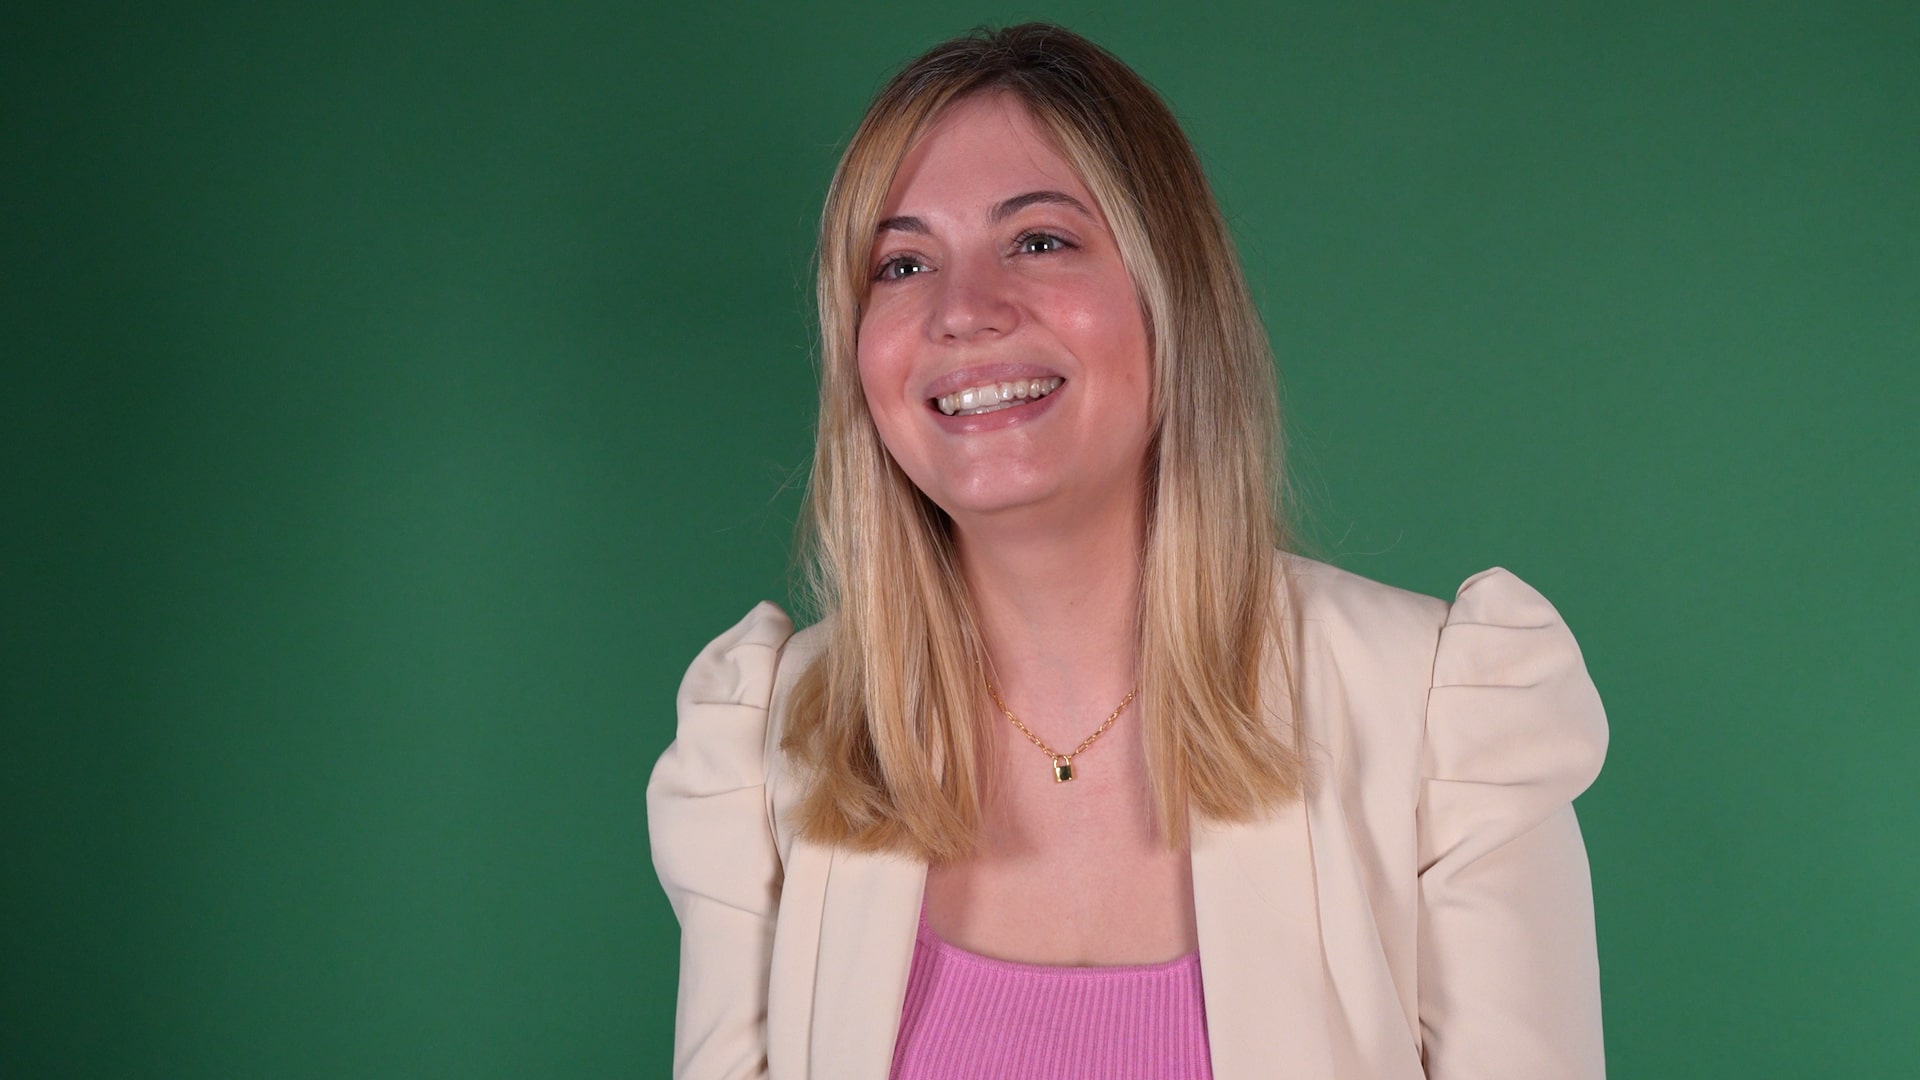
(1062, 763)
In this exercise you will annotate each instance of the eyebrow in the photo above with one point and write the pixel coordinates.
(1000, 212)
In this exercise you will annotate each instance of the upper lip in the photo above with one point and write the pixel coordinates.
(983, 374)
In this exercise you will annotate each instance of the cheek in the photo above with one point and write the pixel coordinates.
(881, 347)
(1111, 332)
(883, 366)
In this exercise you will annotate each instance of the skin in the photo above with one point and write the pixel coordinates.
(1048, 517)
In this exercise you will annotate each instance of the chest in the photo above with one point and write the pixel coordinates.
(1069, 872)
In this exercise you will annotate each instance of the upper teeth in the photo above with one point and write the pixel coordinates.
(988, 395)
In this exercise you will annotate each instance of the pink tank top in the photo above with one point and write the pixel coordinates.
(968, 1017)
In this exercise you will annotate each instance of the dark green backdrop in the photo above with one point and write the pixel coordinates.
(396, 398)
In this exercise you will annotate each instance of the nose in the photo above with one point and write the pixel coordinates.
(974, 298)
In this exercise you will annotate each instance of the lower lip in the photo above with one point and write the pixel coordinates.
(997, 419)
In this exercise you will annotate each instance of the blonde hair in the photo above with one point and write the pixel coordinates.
(886, 721)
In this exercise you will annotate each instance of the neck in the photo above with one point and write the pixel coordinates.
(1057, 608)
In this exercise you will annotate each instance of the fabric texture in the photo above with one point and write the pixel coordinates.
(968, 1016)
(1424, 912)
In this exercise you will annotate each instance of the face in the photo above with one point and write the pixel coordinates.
(1003, 351)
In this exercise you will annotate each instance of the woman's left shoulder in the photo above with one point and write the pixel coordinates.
(1490, 683)
(1511, 702)
(1334, 596)
(1331, 600)
(1360, 624)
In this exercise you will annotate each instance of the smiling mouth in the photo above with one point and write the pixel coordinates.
(992, 397)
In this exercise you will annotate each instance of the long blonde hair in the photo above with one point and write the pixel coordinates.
(886, 719)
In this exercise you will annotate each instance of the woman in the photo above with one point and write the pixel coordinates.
(1084, 773)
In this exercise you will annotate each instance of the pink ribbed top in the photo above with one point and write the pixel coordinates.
(969, 1017)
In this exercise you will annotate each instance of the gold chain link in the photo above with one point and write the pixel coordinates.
(1048, 750)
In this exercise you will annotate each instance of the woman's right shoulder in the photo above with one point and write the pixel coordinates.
(742, 664)
(724, 773)
(752, 664)
(737, 667)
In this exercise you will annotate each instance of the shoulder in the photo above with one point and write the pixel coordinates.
(723, 732)
(1341, 601)
(1492, 683)
(737, 667)
(1377, 639)
(732, 702)
(1511, 701)
(706, 790)
(1331, 602)
(721, 713)
(752, 663)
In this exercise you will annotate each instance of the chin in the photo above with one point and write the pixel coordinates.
(990, 499)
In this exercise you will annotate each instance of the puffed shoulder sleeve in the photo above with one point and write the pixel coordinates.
(1509, 976)
(713, 848)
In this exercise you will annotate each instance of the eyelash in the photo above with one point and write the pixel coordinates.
(880, 275)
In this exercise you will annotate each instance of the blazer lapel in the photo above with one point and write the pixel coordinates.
(1262, 973)
(869, 916)
(1256, 905)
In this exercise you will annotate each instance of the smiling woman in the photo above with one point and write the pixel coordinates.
(1323, 826)
(978, 295)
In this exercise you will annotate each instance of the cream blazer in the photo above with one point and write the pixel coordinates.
(1426, 911)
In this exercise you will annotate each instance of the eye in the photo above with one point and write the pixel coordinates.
(885, 272)
(1037, 237)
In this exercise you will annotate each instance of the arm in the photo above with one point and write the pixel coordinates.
(714, 851)
(1509, 976)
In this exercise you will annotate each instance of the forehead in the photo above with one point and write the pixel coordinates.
(978, 151)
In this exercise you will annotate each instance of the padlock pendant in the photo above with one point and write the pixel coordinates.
(1062, 769)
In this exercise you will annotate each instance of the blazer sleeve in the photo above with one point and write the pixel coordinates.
(1509, 975)
(713, 848)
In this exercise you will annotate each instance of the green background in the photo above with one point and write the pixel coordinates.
(395, 398)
